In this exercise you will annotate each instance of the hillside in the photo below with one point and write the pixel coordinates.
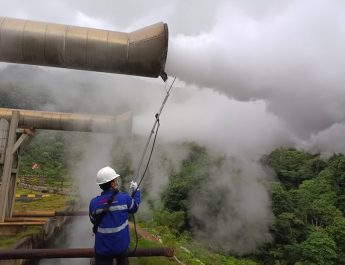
(307, 193)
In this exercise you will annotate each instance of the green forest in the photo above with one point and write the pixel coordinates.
(307, 194)
(308, 200)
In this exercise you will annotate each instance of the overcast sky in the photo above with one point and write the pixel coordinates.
(278, 63)
(252, 76)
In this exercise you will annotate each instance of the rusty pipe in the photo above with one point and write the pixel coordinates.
(42, 214)
(49, 213)
(25, 219)
(9, 224)
(71, 213)
(71, 121)
(77, 253)
(142, 52)
(34, 214)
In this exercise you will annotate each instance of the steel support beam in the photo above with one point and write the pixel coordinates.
(4, 124)
(10, 164)
(8, 183)
(17, 144)
(11, 139)
(77, 253)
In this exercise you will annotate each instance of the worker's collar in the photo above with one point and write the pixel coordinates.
(110, 191)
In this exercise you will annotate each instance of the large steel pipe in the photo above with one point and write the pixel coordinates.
(77, 253)
(71, 121)
(142, 52)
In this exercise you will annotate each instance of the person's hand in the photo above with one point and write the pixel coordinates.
(133, 186)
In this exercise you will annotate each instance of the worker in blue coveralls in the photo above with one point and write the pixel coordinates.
(109, 214)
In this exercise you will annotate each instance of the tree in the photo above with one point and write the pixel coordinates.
(281, 201)
(318, 249)
(337, 231)
(309, 227)
(13, 96)
(314, 202)
(337, 165)
(195, 168)
(289, 229)
(49, 150)
(293, 167)
(174, 220)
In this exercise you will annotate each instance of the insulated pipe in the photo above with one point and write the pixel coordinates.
(77, 253)
(142, 52)
(71, 121)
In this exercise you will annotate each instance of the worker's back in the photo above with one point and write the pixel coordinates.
(112, 236)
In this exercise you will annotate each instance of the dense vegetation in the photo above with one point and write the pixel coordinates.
(308, 202)
(49, 151)
(308, 196)
(15, 97)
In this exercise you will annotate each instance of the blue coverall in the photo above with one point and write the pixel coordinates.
(112, 236)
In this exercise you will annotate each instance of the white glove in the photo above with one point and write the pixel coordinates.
(133, 186)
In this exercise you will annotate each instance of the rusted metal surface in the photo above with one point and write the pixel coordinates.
(48, 213)
(36, 223)
(34, 214)
(71, 121)
(77, 253)
(142, 52)
(25, 219)
(74, 213)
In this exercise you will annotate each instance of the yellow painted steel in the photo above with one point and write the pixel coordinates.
(32, 195)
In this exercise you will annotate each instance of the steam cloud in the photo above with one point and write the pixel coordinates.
(232, 209)
(291, 58)
(251, 77)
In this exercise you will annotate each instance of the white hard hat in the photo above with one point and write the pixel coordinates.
(105, 175)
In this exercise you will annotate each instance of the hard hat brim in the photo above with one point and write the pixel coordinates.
(116, 176)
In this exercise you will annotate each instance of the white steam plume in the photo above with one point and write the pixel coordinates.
(232, 210)
(96, 154)
(292, 58)
(276, 73)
